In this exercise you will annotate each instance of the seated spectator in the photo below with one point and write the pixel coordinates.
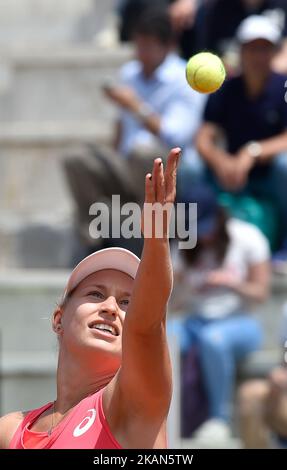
(263, 411)
(157, 109)
(183, 15)
(263, 405)
(221, 18)
(216, 284)
(250, 114)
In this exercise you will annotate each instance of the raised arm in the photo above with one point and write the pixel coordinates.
(140, 394)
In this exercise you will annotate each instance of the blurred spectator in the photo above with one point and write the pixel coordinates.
(244, 139)
(216, 284)
(157, 110)
(221, 18)
(263, 406)
(183, 14)
(263, 411)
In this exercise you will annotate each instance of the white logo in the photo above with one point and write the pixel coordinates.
(88, 420)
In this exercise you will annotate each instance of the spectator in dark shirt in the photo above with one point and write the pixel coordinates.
(251, 114)
(221, 18)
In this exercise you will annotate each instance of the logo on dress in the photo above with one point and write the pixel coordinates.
(85, 424)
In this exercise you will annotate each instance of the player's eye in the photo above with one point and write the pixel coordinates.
(97, 295)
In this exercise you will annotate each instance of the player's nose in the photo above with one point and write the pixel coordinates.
(109, 307)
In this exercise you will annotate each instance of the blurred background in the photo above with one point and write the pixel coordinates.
(65, 68)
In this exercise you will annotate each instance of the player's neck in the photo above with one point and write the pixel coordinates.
(255, 85)
(75, 382)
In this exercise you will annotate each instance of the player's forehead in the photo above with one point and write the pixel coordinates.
(110, 280)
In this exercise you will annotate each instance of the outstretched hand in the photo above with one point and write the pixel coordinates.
(160, 192)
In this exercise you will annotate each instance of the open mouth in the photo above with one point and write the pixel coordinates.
(105, 328)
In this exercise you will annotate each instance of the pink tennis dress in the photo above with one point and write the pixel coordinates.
(84, 427)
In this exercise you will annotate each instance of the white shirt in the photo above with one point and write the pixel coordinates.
(167, 93)
(247, 247)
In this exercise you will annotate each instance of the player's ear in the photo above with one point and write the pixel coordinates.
(57, 320)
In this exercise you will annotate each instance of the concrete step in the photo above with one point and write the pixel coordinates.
(52, 22)
(51, 104)
(28, 345)
(32, 373)
(36, 208)
(27, 301)
(58, 84)
(33, 243)
(32, 182)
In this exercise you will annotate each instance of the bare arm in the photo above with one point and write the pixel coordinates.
(232, 170)
(207, 144)
(143, 385)
(223, 164)
(255, 288)
(127, 99)
(270, 148)
(244, 161)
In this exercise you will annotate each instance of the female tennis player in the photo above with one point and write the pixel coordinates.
(114, 375)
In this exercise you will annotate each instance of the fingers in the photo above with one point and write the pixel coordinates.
(160, 186)
(170, 174)
(154, 183)
(157, 178)
(149, 189)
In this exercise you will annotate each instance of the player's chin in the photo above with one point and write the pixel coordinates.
(105, 343)
(104, 336)
(106, 349)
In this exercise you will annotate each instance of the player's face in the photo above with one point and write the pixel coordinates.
(94, 315)
(257, 57)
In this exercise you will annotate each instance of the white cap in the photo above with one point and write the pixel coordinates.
(258, 27)
(108, 258)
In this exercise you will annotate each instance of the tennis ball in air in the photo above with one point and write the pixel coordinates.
(205, 72)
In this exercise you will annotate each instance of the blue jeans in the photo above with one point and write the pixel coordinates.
(221, 344)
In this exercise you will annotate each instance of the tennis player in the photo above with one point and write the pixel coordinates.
(114, 376)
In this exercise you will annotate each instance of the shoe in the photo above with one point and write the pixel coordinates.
(213, 433)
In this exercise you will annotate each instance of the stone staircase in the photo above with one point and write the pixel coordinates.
(51, 22)
(52, 107)
(54, 58)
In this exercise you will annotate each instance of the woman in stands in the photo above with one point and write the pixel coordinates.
(218, 283)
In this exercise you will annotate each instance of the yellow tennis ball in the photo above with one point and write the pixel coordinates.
(205, 72)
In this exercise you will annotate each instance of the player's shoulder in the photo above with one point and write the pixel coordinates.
(8, 426)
